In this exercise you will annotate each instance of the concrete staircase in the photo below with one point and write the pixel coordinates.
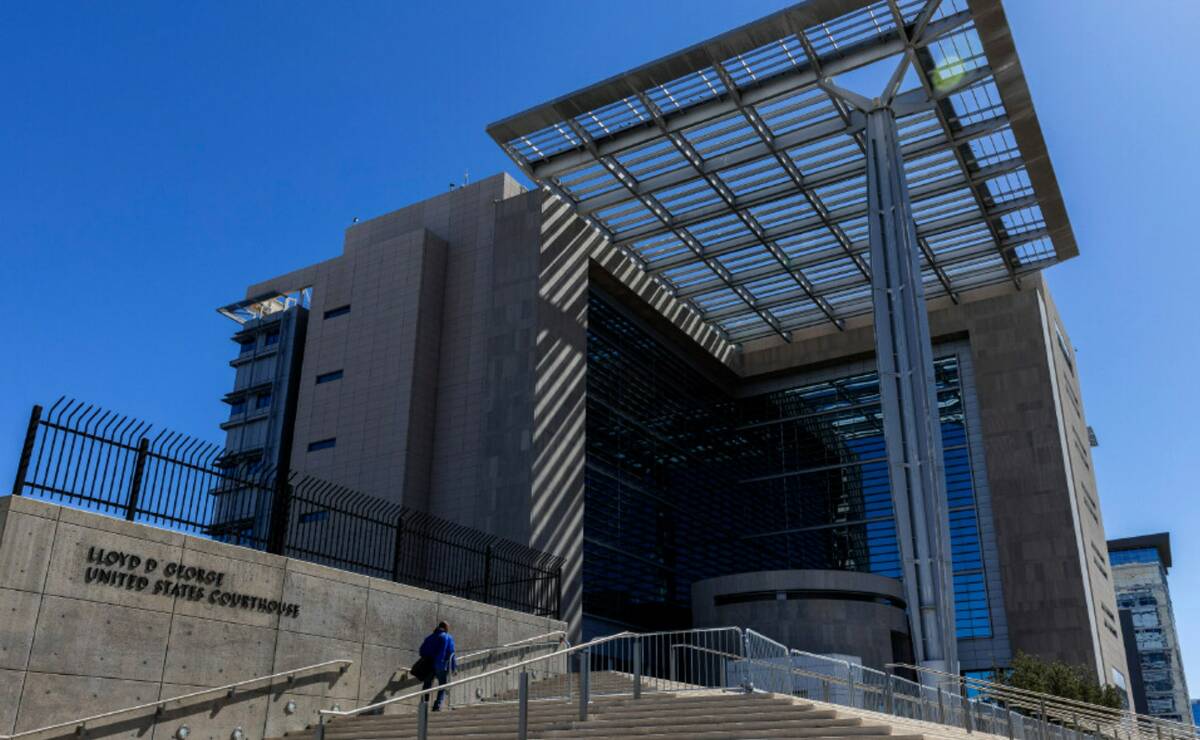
(601, 682)
(706, 715)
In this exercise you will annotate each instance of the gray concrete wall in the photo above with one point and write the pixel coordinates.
(828, 621)
(69, 648)
(1081, 480)
(386, 347)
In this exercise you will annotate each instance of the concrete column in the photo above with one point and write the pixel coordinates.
(912, 430)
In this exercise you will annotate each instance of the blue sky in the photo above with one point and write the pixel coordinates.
(155, 158)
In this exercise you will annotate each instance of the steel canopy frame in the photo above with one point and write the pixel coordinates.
(729, 173)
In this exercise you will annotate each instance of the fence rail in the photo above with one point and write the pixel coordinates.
(81, 455)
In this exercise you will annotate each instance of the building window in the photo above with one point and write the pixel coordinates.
(246, 346)
(322, 444)
(272, 338)
(262, 401)
(1140, 555)
(1062, 346)
(329, 377)
(238, 407)
(309, 517)
(333, 313)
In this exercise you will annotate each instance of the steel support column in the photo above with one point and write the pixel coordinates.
(912, 429)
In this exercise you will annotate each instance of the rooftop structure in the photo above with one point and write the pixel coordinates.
(735, 171)
(1144, 548)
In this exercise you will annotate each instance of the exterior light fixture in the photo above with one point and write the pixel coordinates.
(290, 707)
(183, 732)
(238, 734)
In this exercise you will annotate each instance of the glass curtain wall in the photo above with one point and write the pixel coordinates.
(686, 482)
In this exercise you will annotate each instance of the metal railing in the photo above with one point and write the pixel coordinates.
(534, 642)
(489, 655)
(81, 455)
(626, 663)
(742, 659)
(229, 690)
(1070, 714)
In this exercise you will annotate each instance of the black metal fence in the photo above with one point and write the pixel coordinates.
(83, 456)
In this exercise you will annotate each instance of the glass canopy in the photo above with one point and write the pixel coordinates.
(734, 172)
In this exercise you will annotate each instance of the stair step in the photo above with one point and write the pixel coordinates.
(633, 709)
(620, 722)
(778, 717)
(667, 703)
(717, 724)
(711, 715)
(723, 733)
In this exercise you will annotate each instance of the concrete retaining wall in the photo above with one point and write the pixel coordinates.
(75, 641)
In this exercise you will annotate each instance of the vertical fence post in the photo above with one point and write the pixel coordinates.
(889, 696)
(35, 416)
(398, 548)
(850, 686)
(135, 486)
(749, 681)
(941, 707)
(523, 706)
(558, 594)
(637, 668)
(1042, 724)
(423, 718)
(281, 500)
(673, 660)
(585, 679)
(487, 574)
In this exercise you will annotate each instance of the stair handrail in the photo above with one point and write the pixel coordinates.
(229, 689)
(1057, 707)
(477, 677)
(561, 634)
(323, 713)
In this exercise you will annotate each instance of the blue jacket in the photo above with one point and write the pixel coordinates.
(439, 647)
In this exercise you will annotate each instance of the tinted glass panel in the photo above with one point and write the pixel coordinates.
(684, 482)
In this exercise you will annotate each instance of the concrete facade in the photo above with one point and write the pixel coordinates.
(820, 611)
(500, 404)
(70, 648)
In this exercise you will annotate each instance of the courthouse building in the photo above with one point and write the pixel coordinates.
(660, 360)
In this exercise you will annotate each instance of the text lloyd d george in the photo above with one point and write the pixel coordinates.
(131, 572)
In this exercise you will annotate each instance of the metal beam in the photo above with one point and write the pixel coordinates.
(850, 58)
(656, 208)
(858, 210)
(912, 428)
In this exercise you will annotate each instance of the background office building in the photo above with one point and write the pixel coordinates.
(660, 363)
(1139, 570)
